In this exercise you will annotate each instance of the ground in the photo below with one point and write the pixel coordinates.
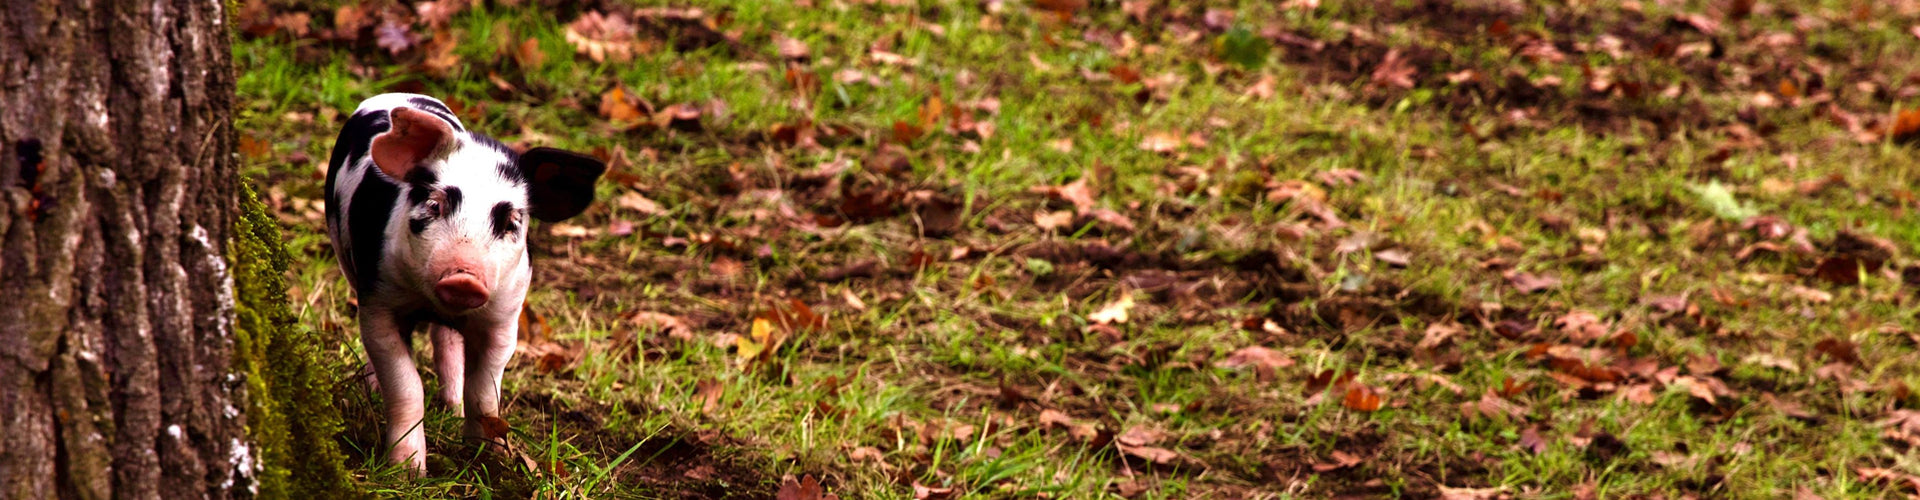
(1084, 249)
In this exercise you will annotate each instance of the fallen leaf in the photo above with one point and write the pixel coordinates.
(1075, 193)
(1531, 441)
(494, 428)
(924, 492)
(1904, 481)
(1114, 312)
(440, 59)
(437, 13)
(1362, 399)
(1582, 326)
(619, 106)
(806, 488)
(529, 55)
(1049, 221)
(395, 37)
(1703, 24)
(1341, 460)
(1138, 441)
(1810, 294)
(1394, 257)
(1110, 218)
(633, 200)
(1838, 350)
(1439, 334)
(669, 324)
(1394, 71)
(1261, 359)
(1719, 200)
(1162, 142)
(602, 37)
(565, 230)
(297, 24)
(1494, 493)
(790, 48)
(1771, 361)
(709, 391)
(1839, 270)
(1532, 283)
(760, 342)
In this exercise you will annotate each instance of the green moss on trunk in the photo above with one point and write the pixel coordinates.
(291, 412)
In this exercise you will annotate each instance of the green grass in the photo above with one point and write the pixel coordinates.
(1604, 199)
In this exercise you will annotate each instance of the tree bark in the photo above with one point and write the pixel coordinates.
(117, 173)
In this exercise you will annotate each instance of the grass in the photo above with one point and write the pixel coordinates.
(936, 372)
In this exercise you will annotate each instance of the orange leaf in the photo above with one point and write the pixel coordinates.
(1362, 398)
(493, 428)
(1905, 126)
(616, 105)
(905, 133)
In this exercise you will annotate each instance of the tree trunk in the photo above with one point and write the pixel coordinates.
(118, 368)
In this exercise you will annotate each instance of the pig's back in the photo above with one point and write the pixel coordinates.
(360, 199)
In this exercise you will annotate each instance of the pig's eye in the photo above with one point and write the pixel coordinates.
(506, 220)
(431, 207)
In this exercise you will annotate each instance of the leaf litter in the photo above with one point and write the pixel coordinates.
(1577, 352)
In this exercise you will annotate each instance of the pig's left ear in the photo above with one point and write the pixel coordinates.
(560, 182)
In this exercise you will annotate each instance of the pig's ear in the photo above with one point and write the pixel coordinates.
(560, 182)
(414, 137)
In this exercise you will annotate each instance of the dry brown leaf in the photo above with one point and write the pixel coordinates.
(669, 324)
(1582, 326)
(1050, 221)
(565, 230)
(1772, 361)
(436, 14)
(1111, 218)
(1341, 460)
(529, 55)
(1904, 481)
(709, 391)
(1114, 312)
(440, 59)
(1394, 71)
(1162, 142)
(1075, 193)
(790, 48)
(1439, 334)
(1494, 493)
(1260, 358)
(633, 200)
(602, 37)
(924, 492)
(1532, 283)
(805, 488)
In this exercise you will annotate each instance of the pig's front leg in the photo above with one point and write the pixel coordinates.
(488, 348)
(449, 361)
(387, 349)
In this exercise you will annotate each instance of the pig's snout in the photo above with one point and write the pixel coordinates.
(461, 292)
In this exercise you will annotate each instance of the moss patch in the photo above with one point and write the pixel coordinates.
(291, 415)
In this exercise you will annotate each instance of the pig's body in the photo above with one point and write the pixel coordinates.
(429, 223)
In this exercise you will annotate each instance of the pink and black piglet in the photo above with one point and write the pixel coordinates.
(429, 222)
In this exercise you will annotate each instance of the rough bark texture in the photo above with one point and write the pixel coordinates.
(117, 199)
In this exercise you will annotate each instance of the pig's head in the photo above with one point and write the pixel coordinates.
(466, 203)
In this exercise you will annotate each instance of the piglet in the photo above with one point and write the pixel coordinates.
(429, 222)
